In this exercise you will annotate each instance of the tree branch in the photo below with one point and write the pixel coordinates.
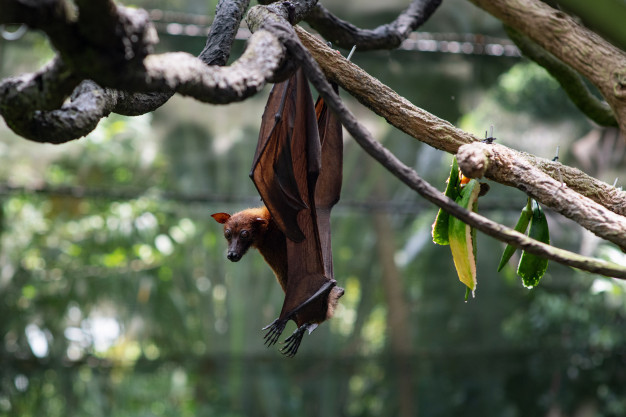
(228, 16)
(388, 36)
(498, 161)
(602, 63)
(163, 74)
(571, 82)
(410, 177)
(605, 16)
(176, 72)
(440, 134)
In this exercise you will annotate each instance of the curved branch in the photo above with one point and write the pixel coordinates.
(495, 160)
(31, 104)
(388, 36)
(146, 86)
(36, 14)
(571, 82)
(187, 75)
(228, 16)
(605, 16)
(592, 56)
(410, 177)
(116, 37)
(440, 134)
(175, 72)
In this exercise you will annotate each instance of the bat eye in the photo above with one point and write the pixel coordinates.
(228, 234)
(244, 234)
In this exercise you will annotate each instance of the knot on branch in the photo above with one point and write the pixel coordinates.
(619, 83)
(473, 159)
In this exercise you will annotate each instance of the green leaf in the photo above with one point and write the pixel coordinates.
(531, 267)
(521, 226)
(461, 238)
(453, 190)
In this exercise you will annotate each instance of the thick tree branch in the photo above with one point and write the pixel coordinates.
(440, 134)
(571, 82)
(410, 177)
(39, 96)
(228, 16)
(388, 36)
(177, 72)
(602, 63)
(497, 161)
(115, 37)
(605, 16)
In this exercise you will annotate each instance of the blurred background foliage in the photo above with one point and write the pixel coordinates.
(116, 298)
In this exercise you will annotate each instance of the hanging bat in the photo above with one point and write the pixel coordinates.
(297, 170)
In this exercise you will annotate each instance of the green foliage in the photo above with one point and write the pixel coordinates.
(531, 267)
(463, 237)
(448, 230)
(518, 90)
(520, 226)
(453, 190)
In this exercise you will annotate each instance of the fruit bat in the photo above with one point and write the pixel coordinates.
(297, 170)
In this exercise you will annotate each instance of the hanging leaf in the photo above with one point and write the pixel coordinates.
(453, 190)
(462, 237)
(531, 267)
(521, 226)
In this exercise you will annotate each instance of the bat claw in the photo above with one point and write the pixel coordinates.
(292, 343)
(275, 330)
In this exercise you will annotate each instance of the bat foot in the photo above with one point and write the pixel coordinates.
(292, 343)
(275, 330)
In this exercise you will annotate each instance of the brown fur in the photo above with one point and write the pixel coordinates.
(264, 236)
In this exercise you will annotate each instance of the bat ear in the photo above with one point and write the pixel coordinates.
(221, 217)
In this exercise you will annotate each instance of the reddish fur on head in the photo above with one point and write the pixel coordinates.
(243, 230)
(254, 228)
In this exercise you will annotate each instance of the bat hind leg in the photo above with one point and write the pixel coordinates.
(275, 330)
(292, 343)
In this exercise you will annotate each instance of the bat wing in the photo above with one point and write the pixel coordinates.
(331, 138)
(329, 182)
(305, 264)
(273, 165)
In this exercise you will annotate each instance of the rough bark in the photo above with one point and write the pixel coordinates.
(171, 72)
(442, 135)
(571, 82)
(592, 56)
(116, 54)
(504, 164)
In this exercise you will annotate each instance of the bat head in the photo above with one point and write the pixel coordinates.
(242, 230)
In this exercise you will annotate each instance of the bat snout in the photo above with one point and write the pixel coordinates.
(233, 256)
